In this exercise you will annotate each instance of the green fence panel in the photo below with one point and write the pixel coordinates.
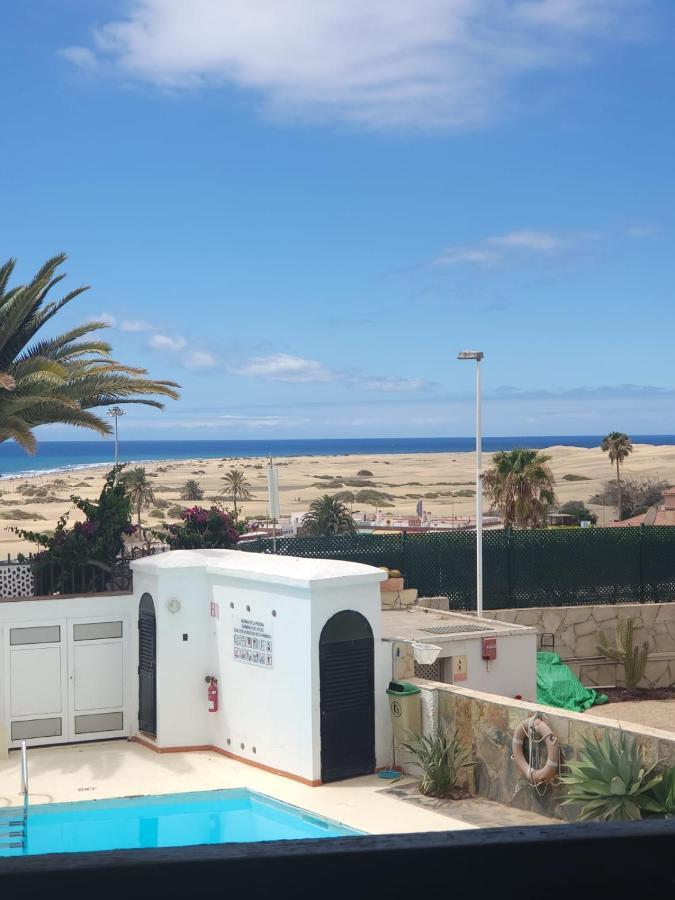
(552, 567)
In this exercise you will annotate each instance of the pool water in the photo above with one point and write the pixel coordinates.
(168, 820)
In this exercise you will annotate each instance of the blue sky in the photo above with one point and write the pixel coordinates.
(302, 209)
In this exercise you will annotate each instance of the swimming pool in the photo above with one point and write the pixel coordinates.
(168, 820)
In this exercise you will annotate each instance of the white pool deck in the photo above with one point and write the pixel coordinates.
(121, 769)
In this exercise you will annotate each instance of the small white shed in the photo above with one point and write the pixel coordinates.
(294, 646)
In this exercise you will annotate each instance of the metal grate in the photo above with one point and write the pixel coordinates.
(431, 672)
(454, 629)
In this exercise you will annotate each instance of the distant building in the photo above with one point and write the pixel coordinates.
(660, 514)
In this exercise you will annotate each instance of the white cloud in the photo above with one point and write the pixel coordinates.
(296, 369)
(200, 359)
(285, 367)
(82, 57)
(388, 383)
(165, 342)
(643, 231)
(536, 241)
(500, 247)
(107, 319)
(135, 325)
(380, 63)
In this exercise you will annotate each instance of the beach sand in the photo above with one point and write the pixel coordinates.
(444, 480)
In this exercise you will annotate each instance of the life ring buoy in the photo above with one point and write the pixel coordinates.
(550, 768)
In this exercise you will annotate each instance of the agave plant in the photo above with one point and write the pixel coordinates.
(661, 799)
(441, 759)
(610, 781)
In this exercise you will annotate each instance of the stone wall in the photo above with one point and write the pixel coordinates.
(577, 629)
(486, 723)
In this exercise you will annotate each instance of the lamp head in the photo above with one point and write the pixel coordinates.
(471, 354)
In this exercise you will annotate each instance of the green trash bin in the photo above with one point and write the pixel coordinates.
(405, 706)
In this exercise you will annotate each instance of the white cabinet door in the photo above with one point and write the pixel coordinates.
(65, 680)
(36, 679)
(96, 651)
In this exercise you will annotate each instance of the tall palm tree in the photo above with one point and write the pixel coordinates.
(328, 515)
(237, 487)
(520, 485)
(619, 447)
(139, 488)
(191, 490)
(58, 379)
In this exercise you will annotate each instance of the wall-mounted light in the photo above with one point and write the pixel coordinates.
(173, 605)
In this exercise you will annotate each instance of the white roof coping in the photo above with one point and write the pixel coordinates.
(293, 570)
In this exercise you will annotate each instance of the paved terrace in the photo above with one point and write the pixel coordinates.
(122, 769)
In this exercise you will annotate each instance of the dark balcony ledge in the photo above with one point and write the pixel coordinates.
(566, 861)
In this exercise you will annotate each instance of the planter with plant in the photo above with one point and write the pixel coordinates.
(442, 759)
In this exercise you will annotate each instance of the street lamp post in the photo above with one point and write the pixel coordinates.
(477, 355)
(116, 412)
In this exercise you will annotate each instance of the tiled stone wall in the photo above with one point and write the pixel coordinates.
(577, 631)
(486, 723)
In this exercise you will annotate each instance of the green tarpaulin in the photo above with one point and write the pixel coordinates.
(557, 685)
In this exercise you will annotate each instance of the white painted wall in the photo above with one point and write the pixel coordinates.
(513, 672)
(269, 716)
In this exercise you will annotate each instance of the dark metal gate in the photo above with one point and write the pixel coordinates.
(347, 697)
(147, 668)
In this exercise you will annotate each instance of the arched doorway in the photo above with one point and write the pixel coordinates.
(147, 666)
(347, 697)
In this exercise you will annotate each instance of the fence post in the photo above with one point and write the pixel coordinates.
(641, 562)
(509, 584)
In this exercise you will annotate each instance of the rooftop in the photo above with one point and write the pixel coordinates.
(294, 570)
(436, 627)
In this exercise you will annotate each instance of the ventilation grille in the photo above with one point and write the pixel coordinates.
(454, 629)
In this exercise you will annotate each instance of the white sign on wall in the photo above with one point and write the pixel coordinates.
(252, 641)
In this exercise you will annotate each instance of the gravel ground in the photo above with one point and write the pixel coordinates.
(655, 713)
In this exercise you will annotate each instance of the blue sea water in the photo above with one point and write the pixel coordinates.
(168, 820)
(57, 455)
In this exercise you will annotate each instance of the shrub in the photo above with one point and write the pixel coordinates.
(579, 510)
(96, 542)
(202, 529)
(610, 782)
(374, 498)
(364, 473)
(572, 477)
(441, 759)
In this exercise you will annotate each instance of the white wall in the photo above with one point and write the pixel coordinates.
(514, 672)
(268, 715)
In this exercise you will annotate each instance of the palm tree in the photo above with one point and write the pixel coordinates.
(619, 447)
(520, 485)
(237, 487)
(328, 515)
(58, 379)
(191, 490)
(140, 490)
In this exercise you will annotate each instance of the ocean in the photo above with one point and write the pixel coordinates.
(54, 456)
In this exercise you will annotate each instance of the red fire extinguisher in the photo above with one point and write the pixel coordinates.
(212, 692)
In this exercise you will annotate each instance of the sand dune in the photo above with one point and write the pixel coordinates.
(444, 480)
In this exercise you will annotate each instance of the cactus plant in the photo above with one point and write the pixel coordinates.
(633, 659)
(610, 781)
